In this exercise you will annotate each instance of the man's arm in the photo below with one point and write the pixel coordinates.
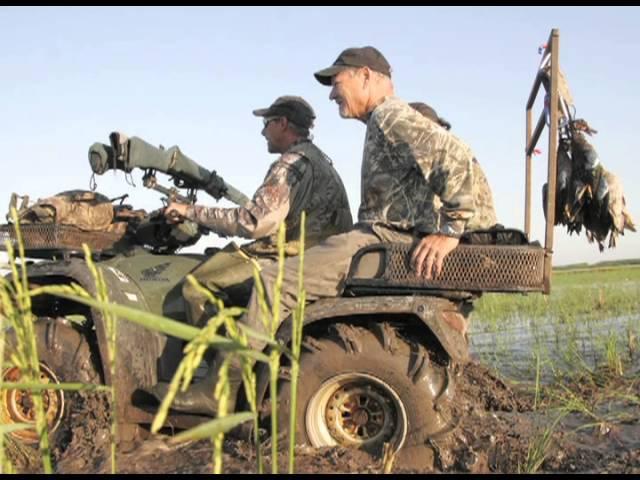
(451, 177)
(258, 218)
(446, 164)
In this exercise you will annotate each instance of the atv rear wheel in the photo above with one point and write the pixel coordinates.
(64, 356)
(363, 388)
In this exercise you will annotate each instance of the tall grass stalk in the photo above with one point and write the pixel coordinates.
(221, 394)
(274, 354)
(26, 355)
(570, 402)
(250, 388)
(248, 377)
(269, 318)
(222, 390)
(102, 296)
(538, 448)
(249, 382)
(296, 343)
(632, 343)
(15, 315)
(5, 465)
(389, 454)
(5, 305)
(614, 359)
(536, 399)
(194, 353)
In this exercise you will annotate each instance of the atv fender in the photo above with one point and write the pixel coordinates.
(439, 315)
(138, 348)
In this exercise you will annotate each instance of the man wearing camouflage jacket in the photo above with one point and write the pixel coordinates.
(301, 179)
(408, 162)
(485, 216)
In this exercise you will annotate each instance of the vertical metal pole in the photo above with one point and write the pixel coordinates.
(554, 42)
(527, 184)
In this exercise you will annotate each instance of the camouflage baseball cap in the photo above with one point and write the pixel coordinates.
(355, 57)
(296, 109)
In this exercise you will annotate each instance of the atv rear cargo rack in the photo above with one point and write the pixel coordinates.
(470, 268)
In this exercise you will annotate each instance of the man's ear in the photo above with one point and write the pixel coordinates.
(366, 76)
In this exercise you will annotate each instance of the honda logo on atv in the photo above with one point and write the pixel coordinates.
(152, 274)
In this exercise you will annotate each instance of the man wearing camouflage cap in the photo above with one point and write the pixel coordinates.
(301, 179)
(408, 161)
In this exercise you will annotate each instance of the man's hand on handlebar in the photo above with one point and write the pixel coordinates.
(176, 212)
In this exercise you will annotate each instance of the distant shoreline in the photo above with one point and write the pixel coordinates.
(629, 262)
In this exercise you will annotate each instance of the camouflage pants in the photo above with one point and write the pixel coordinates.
(228, 275)
(325, 269)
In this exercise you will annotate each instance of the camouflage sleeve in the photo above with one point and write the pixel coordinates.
(446, 163)
(452, 179)
(262, 215)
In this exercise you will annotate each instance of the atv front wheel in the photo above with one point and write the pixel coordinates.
(64, 356)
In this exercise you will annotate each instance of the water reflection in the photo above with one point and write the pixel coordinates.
(517, 345)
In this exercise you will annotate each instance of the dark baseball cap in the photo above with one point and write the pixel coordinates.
(296, 109)
(355, 57)
(425, 110)
(431, 114)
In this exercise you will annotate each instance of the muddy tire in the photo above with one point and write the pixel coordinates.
(362, 388)
(65, 357)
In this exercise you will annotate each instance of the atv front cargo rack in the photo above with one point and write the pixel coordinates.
(45, 240)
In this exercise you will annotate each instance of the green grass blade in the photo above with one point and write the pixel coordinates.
(12, 427)
(39, 387)
(214, 427)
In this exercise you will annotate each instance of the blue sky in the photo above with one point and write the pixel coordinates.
(192, 76)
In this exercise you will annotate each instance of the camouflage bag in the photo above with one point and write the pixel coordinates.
(267, 247)
(88, 211)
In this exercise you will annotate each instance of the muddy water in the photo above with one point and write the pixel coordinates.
(602, 433)
(517, 346)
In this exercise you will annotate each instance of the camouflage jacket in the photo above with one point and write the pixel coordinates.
(303, 178)
(485, 216)
(408, 163)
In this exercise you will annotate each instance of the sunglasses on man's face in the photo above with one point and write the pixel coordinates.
(268, 120)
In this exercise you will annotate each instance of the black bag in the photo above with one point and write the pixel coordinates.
(496, 235)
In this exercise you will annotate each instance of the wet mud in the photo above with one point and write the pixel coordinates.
(499, 428)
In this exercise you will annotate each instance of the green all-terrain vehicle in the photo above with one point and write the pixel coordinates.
(379, 362)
